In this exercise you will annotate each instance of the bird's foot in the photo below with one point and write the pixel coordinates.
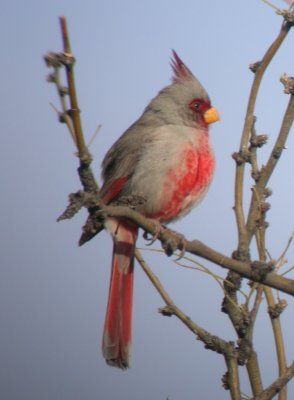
(158, 230)
(176, 241)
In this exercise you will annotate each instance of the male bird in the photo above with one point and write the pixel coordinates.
(165, 157)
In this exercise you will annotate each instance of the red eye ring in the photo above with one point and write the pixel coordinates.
(199, 105)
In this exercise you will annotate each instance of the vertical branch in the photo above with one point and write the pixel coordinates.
(278, 336)
(259, 69)
(74, 111)
(266, 172)
(245, 232)
(233, 378)
(243, 322)
(85, 172)
(253, 372)
(275, 321)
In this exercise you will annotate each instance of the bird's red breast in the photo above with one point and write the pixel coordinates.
(187, 182)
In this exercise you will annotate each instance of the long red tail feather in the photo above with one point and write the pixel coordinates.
(117, 334)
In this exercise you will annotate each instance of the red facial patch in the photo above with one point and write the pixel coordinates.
(199, 106)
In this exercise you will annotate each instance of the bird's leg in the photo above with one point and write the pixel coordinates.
(158, 230)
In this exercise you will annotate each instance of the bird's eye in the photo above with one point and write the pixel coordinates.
(196, 105)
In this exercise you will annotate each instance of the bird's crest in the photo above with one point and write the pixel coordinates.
(181, 71)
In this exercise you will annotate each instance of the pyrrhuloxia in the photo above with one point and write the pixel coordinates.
(165, 157)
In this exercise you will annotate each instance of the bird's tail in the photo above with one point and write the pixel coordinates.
(117, 334)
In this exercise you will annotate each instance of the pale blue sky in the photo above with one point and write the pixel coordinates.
(52, 293)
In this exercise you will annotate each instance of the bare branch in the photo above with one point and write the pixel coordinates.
(246, 269)
(211, 342)
(279, 342)
(231, 379)
(277, 385)
(75, 111)
(249, 121)
(268, 169)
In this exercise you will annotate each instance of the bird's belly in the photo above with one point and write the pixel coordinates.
(173, 172)
(184, 185)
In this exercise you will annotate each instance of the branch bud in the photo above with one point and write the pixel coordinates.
(254, 67)
(288, 82)
(225, 381)
(276, 310)
(167, 311)
(278, 151)
(288, 15)
(52, 59)
(255, 175)
(264, 207)
(258, 140)
(63, 90)
(51, 78)
(241, 157)
(260, 270)
(267, 192)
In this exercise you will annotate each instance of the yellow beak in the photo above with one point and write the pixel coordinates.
(211, 115)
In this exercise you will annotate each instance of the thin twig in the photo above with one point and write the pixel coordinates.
(271, 5)
(75, 111)
(211, 341)
(86, 175)
(66, 118)
(284, 252)
(94, 135)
